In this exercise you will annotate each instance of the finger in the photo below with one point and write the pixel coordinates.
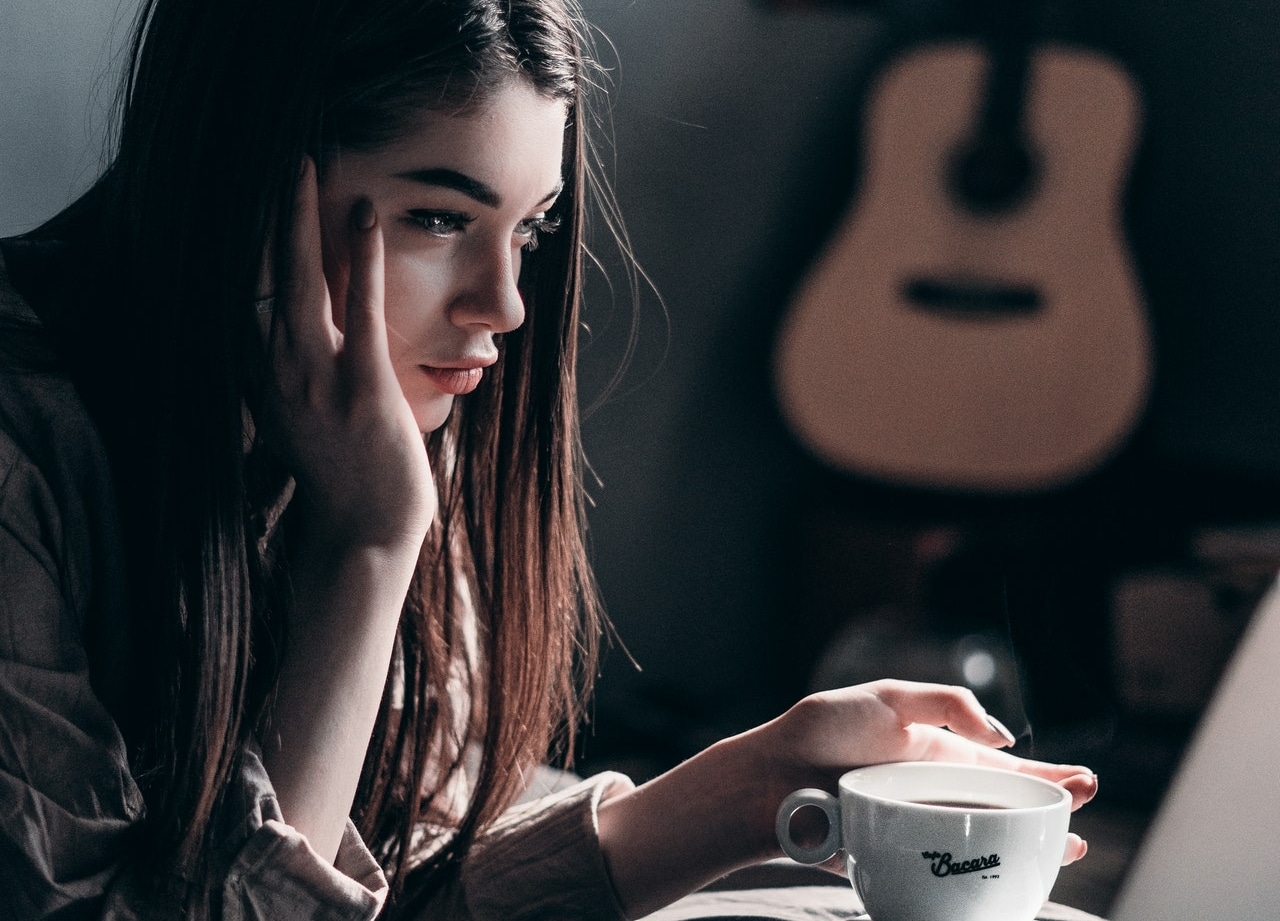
(1076, 848)
(266, 267)
(1080, 782)
(956, 708)
(306, 312)
(931, 743)
(265, 301)
(364, 324)
(1083, 787)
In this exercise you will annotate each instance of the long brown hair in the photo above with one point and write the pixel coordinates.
(221, 102)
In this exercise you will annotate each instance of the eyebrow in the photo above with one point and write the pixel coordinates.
(472, 188)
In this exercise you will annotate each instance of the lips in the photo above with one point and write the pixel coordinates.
(456, 381)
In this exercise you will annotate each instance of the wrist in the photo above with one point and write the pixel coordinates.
(340, 539)
(340, 585)
(707, 817)
(764, 776)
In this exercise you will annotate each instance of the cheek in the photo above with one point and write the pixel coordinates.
(414, 305)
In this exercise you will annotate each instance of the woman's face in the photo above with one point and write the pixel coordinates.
(459, 199)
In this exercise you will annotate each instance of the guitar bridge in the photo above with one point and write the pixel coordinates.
(976, 299)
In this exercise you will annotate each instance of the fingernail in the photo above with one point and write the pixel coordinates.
(1086, 783)
(363, 215)
(1002, 729)
(1084, 849)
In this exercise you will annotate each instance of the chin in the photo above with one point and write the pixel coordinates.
(431, 414)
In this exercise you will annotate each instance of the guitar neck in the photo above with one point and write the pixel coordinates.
(1006, 27)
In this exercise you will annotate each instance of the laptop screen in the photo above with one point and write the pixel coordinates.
(1212, 850)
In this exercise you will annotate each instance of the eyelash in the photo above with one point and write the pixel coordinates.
(444, 223)
(535, 227)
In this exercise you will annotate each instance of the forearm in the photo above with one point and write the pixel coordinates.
(710, 815)
(347, 605)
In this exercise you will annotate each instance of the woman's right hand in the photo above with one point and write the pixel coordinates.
(365, 499)
(334, 409)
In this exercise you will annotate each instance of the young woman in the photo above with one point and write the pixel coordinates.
(293, 592)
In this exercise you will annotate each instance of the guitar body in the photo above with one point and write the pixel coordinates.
(934, 346)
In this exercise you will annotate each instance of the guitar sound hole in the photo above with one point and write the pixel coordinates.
(972, 298)
(993, 174)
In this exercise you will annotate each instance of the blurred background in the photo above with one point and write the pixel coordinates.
(743, 560)
(743, 569)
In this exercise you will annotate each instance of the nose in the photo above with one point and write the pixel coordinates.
(492, 298)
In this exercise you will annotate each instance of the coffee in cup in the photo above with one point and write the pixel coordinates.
(932, 841)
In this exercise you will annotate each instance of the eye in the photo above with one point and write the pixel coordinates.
(531, 229)
(441, 223)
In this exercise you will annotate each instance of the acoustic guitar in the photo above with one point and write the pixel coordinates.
(975, 322)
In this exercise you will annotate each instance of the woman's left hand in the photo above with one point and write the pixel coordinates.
(715, 812)
(831, 732)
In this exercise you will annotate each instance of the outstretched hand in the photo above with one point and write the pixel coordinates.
(715, 812)
(831, 732)
(334, 409)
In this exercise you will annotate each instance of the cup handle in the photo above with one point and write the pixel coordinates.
(829, 805)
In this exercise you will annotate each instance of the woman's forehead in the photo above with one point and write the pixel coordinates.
(513, 134)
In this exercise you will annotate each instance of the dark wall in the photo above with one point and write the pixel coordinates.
(737, 131)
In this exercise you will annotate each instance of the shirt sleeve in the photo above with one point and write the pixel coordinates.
(273, 872)
(267, 870)
(70, 809)
(540, 862)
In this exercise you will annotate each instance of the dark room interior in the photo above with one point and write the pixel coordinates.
(741, 568)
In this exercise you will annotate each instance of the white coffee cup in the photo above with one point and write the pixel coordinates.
(931, 841)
